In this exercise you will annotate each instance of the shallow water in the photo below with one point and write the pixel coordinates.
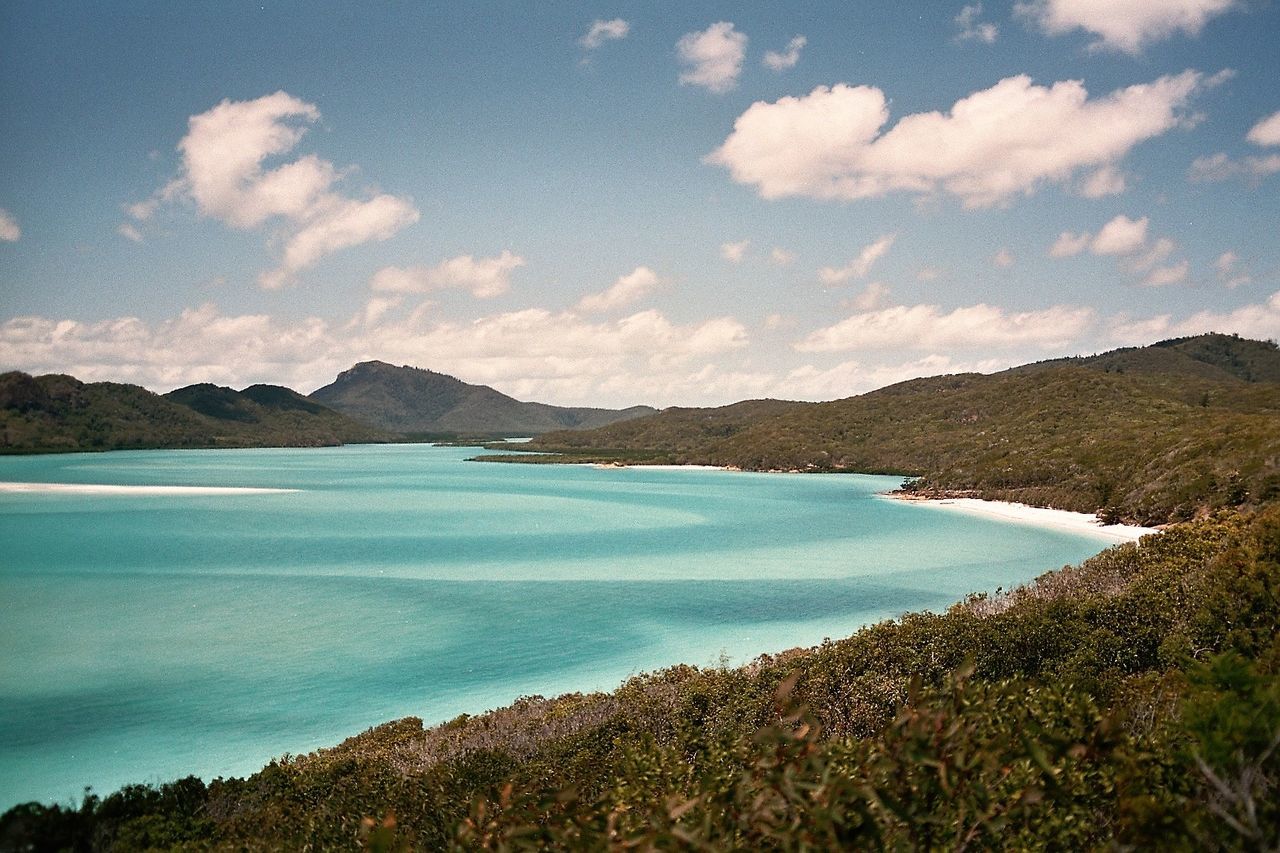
(149, 636)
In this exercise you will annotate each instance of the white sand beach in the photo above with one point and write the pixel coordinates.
(96, 489)
(1076, 522)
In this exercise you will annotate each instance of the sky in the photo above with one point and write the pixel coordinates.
(622, 203)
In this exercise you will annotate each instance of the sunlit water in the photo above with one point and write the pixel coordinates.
(145, 637)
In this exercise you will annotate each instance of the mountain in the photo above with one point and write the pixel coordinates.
(415, 401)
(58, 412)
(1148, 434)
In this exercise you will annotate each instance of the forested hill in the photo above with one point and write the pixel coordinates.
(1150, 434)
(56, 412)
(414, 401)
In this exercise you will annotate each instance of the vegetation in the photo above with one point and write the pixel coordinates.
(1132, 701)
(54, 413)
(412, 401)
(1148, 435)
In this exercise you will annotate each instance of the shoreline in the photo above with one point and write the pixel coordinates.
(1018, 513)
(98, 489)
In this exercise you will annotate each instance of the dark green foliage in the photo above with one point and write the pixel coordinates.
(60, 413)
(1149, 435)
(1131, 701)
(413, 401)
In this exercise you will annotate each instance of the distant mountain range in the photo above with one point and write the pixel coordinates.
(371, 402)
(61, 413)
(1148, 434)
(413, 401)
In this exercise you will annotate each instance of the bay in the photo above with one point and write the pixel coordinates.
(147, 636)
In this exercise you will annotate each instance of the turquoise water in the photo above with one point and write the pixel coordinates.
(146, 637)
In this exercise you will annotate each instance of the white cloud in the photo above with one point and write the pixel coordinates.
(222, 172)
(535, 354)
(9, 230)
(1160, 276)
(1230, 271)
(928, 274)
(626, 290)
(781, 61)
(603, 31)
(928, 327)
(1126, 239)
(853, 377)
(1159, 252)
(484, 277)
(129, 231)
(859, 266)
(1124, 25)
(989, 147)
(1069, 243)
(1220, 167)
(781, 256)
(339, 223)
(1266, 131)
(1261, 321)
(871, 298)
(971, 29)
(712, 57)
(734, 252)
(1003, 258)
(1103, 182)
(1120, 236)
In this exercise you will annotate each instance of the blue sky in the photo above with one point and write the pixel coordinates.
(618, 203)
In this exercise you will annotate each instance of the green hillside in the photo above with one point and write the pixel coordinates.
(421, 402)
(1151, 435)
(59, 413)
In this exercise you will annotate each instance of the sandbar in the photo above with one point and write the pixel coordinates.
(97, 489)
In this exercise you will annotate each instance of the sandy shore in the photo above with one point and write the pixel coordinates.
(1059, 519)
(92, 489)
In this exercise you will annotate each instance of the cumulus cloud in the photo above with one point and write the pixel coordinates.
(712, 57)
(860, 266)
(1171, 274)
(223, 174)
(1123, 25)
(536, 354)
(1260, 320)
(993, 145)
(1266, 131)
(1126, 239)
(781, 256)
(1220, 167)
(734, 252)
(1120, 236)
(787, 58)
(1103, 182)
(929, 327)
(871, 298)
(484, 277)
(1003, 258)
(626, 290)
(855, 377)
(1230, 271)
(9, 230)
(971, 29)
(603, 31)
(129, 231)
(1068, 244)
